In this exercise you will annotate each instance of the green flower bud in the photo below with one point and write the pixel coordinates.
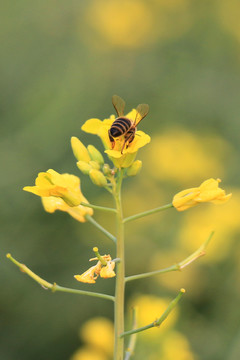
(79, 150)
(134, 168)
(106, 169)
(94, 164)
(95, 154)
(97, 177)
(84, 167)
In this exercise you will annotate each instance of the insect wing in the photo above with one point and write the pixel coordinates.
(142, 111)
(119, 104)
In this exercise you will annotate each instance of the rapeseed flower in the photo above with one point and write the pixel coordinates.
(208, 191)
(120, 158)
(103, 268)
(60, 192)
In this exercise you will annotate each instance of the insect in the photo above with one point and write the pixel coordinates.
(122, 126)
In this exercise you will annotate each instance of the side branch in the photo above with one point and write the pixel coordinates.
(96, 207)
(133, 337)
(148, 212)
(160, 320)
(102, 229)
(177, 267)
(54, 287)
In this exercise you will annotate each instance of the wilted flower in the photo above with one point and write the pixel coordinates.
(103, 268)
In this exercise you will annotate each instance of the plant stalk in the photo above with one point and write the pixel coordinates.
(120, 275)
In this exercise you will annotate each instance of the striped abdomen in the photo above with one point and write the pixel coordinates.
(120, 127)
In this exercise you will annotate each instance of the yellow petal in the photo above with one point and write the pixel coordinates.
(92, 126)
(88, 276)
(107, 271)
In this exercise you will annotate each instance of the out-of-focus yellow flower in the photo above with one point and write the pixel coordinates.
(88, 353)
(134, 24)
(124, 24)
(171, 280)
(183, 157)
(175, 346)
(149, 309)
(208, 191)
(197, 225)
(228, 11)
(120, 159)
(98, 333)
(105, 271)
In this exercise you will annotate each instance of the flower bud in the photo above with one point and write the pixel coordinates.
(95, 154)
(94, 165)
(84, 167)
(79, 150)
(106, 169)
(97, 177)
(134, 168)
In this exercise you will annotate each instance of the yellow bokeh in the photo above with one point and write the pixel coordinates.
(87, 353)
(121, 23)
(98, 333)
(150, 308)
(182, 157)
(175, 279)
(198, 223)
(176, 346)
(228, 12)
(133, 24)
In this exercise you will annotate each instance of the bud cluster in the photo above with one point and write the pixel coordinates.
(91, 162)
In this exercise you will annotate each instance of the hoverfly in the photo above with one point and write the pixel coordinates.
(122, 126)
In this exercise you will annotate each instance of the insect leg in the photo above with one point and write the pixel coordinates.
(111, 139)
(129, 138)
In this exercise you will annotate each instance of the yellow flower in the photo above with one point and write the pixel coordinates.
(104, 270)
(98, 333)
(208, 191)
(176, 346)
(121, 159)
(197, 225)
(60, 192)
(107, 271)
(90, 275)
(88, 353)
(149, 309)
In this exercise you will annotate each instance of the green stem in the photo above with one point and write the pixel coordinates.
(159, 321)
(148, 212)
(54, 287)
(120, 274)
(102, 229)
(151, 273)
(176, 267)
(133, 337)
(96, 207)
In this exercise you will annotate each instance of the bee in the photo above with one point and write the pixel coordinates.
(122, 126)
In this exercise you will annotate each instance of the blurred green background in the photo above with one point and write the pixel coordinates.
(61, 61)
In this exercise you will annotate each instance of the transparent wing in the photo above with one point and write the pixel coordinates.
(119, 104)
(142, 111)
